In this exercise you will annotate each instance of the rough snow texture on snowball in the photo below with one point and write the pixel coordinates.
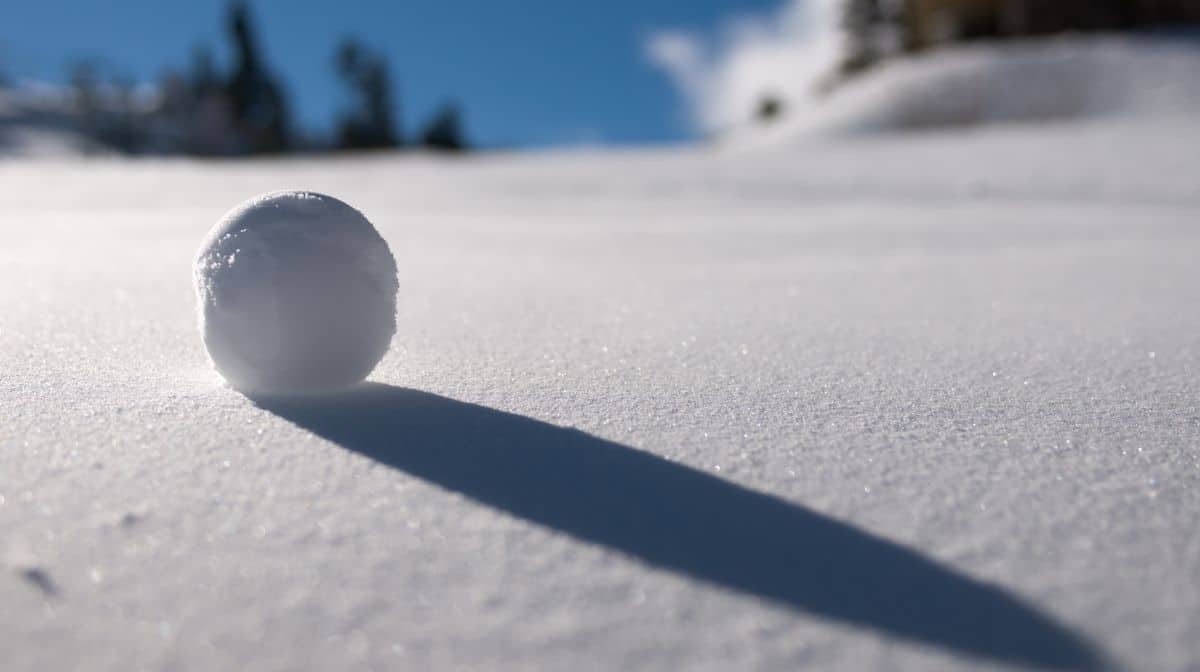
(297, 294)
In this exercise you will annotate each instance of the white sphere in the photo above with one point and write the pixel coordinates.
(297, 294)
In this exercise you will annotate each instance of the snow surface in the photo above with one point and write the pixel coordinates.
(909, 402)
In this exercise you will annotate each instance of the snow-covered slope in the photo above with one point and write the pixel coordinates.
(1037, 81)
(905, 403)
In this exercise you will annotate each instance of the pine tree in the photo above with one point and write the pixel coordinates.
(445, 132)
(371, 124)
(259, 106)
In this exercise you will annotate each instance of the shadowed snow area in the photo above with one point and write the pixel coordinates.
(682, 519)
(905, 402)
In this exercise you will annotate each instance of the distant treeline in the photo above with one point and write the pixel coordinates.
(876, 28)
(246, 111)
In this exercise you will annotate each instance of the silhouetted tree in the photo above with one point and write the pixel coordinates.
(85, 94)
(928, 22)
(122, 130)
(444, 131)
(370, 124)
(258, 105)
(861, 22)
(203, 77)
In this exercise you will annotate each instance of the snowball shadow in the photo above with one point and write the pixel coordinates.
(687, 521)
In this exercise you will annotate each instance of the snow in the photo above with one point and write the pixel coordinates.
(725, 76)
(296, 294)
(901, 401)
(792, 58)
(1052, 79)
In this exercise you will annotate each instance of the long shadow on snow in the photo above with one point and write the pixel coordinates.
(684, 520)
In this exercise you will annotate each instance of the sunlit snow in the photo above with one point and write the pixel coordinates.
(901, 401)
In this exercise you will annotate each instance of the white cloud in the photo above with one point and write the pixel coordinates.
(724, 78)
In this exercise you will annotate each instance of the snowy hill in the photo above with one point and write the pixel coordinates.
(1036, 81)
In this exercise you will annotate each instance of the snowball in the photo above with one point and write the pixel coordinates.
(297, 294)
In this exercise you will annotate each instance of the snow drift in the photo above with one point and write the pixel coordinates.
(1070, 77)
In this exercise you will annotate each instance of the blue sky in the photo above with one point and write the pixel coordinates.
(530, 73)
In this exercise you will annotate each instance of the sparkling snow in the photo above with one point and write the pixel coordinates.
(910, 402)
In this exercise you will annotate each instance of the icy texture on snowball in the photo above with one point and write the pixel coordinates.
(297, 294)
